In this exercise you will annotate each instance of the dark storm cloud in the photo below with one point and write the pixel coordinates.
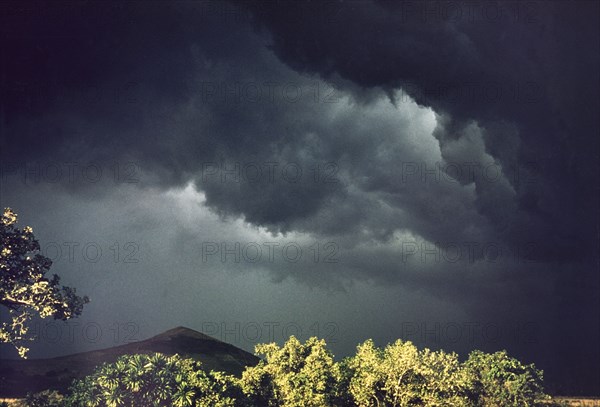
(156, 87)
(525, 72)
(209, 93)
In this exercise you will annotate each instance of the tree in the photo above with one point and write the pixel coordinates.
(364, 378)
(24, 288)
(153, 380)
(295, 375)
(500, 380)
(401, 375)
(448, 382)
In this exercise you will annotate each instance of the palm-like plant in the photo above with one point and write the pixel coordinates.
(151, 380)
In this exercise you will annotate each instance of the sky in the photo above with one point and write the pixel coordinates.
(347, 169)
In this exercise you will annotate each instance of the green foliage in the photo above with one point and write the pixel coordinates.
(401, 375)
(295, 375)
(46, 398)
(24, 288)
(153, 380)
(499, 379)
(306, 375)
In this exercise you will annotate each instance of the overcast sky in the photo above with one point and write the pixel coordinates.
(352, 170)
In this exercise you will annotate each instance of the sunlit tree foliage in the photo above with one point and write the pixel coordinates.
(25, 290)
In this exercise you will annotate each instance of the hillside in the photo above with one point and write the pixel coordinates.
(17, 377)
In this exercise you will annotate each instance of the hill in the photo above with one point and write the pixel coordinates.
(17, 377)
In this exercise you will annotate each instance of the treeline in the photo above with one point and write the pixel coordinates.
(306, 375)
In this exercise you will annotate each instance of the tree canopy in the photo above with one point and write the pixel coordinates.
(25, 290)
(295, 375)
(306, 375)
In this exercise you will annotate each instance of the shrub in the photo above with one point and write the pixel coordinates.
(46, 398)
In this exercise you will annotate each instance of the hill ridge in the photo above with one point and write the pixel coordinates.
(18, 377)
(184, 331)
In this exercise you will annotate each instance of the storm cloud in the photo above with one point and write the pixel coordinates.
(443, 152)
